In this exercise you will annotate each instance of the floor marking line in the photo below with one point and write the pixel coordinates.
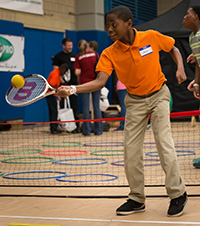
(103, 220)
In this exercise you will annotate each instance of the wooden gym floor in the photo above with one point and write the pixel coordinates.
(45, 206)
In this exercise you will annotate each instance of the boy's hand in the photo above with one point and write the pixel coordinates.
(63, 91)
(196, 92)
(191, 59)
(190, 87)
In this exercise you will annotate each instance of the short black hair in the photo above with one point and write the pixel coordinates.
(64, 66)
(196, 9)
(66, 40)
(122, 12)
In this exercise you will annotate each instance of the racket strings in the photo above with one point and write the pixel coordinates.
(34, 87)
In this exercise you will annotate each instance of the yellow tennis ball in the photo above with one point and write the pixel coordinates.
(17, 81)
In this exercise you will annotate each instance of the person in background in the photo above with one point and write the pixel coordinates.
(85, 70)
(69, 78)
(192, 21)
(54, 81)
(134, 56)
(121, 93)
(93, 46)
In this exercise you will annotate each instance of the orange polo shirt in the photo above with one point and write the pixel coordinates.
(137, 66)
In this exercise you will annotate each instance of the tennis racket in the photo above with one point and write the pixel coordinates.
(35, 88)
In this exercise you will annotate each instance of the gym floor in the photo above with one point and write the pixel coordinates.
(90, 207)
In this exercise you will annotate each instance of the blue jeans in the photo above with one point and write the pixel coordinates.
(98, 128)
(121, 95)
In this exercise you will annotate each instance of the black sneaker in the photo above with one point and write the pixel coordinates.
(177, 205)
(130, 207)
(197, 165)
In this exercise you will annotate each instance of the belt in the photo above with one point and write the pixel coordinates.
(148, 95)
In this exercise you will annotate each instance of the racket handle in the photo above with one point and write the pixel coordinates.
(69, 92)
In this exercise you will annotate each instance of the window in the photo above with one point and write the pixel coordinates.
(143, 10)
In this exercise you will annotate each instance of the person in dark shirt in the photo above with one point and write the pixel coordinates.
(69, 78)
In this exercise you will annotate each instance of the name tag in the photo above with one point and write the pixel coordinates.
(72, 59)
(145, 50)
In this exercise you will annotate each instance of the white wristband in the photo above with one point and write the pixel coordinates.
(195, 85)
(73, 90)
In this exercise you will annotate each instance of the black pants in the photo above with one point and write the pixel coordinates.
(53, 111)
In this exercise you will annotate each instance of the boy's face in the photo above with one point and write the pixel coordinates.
(117, 29)
(188, 20)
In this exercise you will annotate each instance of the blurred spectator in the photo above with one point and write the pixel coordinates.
(85, 70)
(54, 81)
(69, 78)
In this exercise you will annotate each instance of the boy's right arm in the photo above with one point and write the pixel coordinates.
(88, 87)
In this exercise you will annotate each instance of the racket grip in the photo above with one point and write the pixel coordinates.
(69, 92)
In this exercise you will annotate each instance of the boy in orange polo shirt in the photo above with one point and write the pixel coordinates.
(135, 58)
(54, 81)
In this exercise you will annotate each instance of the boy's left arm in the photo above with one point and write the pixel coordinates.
(180, 73)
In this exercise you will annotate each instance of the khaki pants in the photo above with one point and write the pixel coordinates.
(138, 110)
